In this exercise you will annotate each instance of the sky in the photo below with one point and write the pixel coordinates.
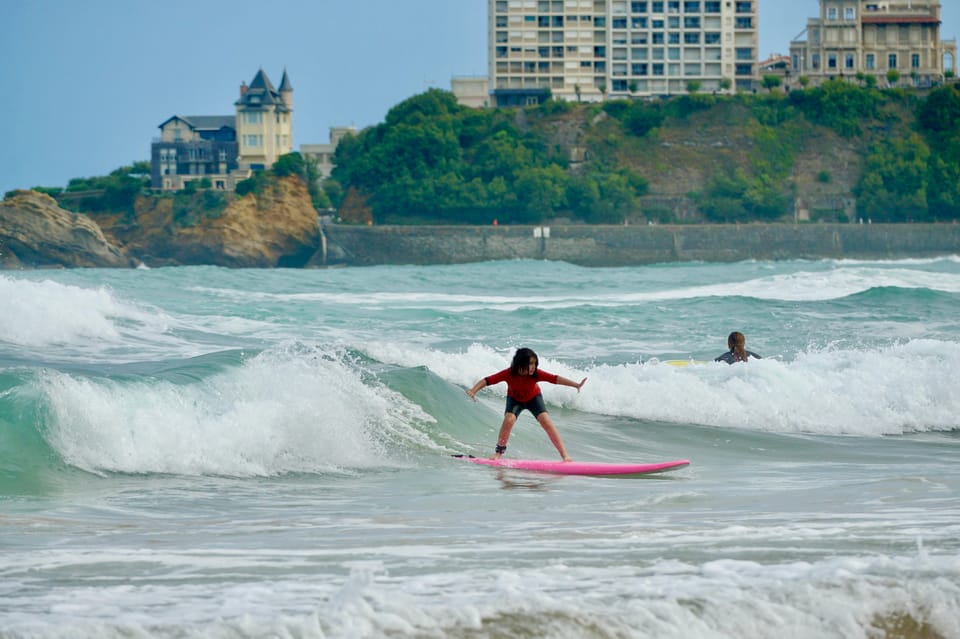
(85, 84)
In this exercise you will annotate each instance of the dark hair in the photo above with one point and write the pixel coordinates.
(737, 343)
(521, 360)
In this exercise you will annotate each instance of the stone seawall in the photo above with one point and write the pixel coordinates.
(598, 245)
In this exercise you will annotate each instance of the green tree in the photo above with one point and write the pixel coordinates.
(642, 117)
(540, 192)
(940, 112)
(839, 105)
(893, 187)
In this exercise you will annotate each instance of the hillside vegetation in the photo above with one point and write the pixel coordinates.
(735, 158)
(830, 153)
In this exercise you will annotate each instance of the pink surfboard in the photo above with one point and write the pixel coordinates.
(578, 467)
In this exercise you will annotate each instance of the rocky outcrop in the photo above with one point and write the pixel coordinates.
(36, 232)
(278, 227)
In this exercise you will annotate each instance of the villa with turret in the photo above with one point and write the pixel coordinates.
(217, 151)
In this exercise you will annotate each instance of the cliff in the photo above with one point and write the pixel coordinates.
(277, 227)
(35, 231)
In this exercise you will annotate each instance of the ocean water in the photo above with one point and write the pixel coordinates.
(203, 452)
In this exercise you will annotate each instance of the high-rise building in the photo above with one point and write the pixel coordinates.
(872, 38)
(593, 50)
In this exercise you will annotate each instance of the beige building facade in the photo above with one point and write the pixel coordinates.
(874, 37)
(323, 154)
(264, 122)
(592, 50)
(471, 91)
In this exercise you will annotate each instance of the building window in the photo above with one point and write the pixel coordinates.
(915, 61)
(849, 13)
(849, 61)
(831, 60)
(892, 61)
(832, 13)
(871, 62)
(744, 7)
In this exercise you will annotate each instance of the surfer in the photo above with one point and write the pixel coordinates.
(738, 352)
(523, 392)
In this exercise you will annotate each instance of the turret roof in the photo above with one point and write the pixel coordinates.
(285, 83)
(261, 93)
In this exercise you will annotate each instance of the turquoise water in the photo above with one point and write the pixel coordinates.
(202, 452)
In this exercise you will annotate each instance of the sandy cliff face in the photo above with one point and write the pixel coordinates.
(277, 228)
(36, 232)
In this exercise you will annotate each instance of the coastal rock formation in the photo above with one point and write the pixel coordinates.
(278, 227)
(36, 232)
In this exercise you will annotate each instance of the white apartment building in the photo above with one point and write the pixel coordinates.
(593, 50)
(873, 37)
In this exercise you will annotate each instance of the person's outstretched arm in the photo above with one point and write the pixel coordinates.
(472, 392)
(563, 381)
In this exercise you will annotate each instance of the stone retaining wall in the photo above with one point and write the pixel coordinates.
(598, 245)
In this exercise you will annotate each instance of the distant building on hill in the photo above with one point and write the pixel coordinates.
(194, 147)
(594, 50)
(264, 121)
(471, 91)
(322, 154)
(874, 37)
(224, 149)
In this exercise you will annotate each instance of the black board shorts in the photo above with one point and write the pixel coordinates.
(535, 406)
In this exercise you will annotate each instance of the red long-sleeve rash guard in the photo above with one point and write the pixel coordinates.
(522, 388)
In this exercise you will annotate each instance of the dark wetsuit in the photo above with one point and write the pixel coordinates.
(730, 358)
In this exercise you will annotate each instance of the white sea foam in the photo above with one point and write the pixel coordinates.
(845, 597)
(286, 410)
(882, 391)
(83, 323)
(46, 313)
(812, 284)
